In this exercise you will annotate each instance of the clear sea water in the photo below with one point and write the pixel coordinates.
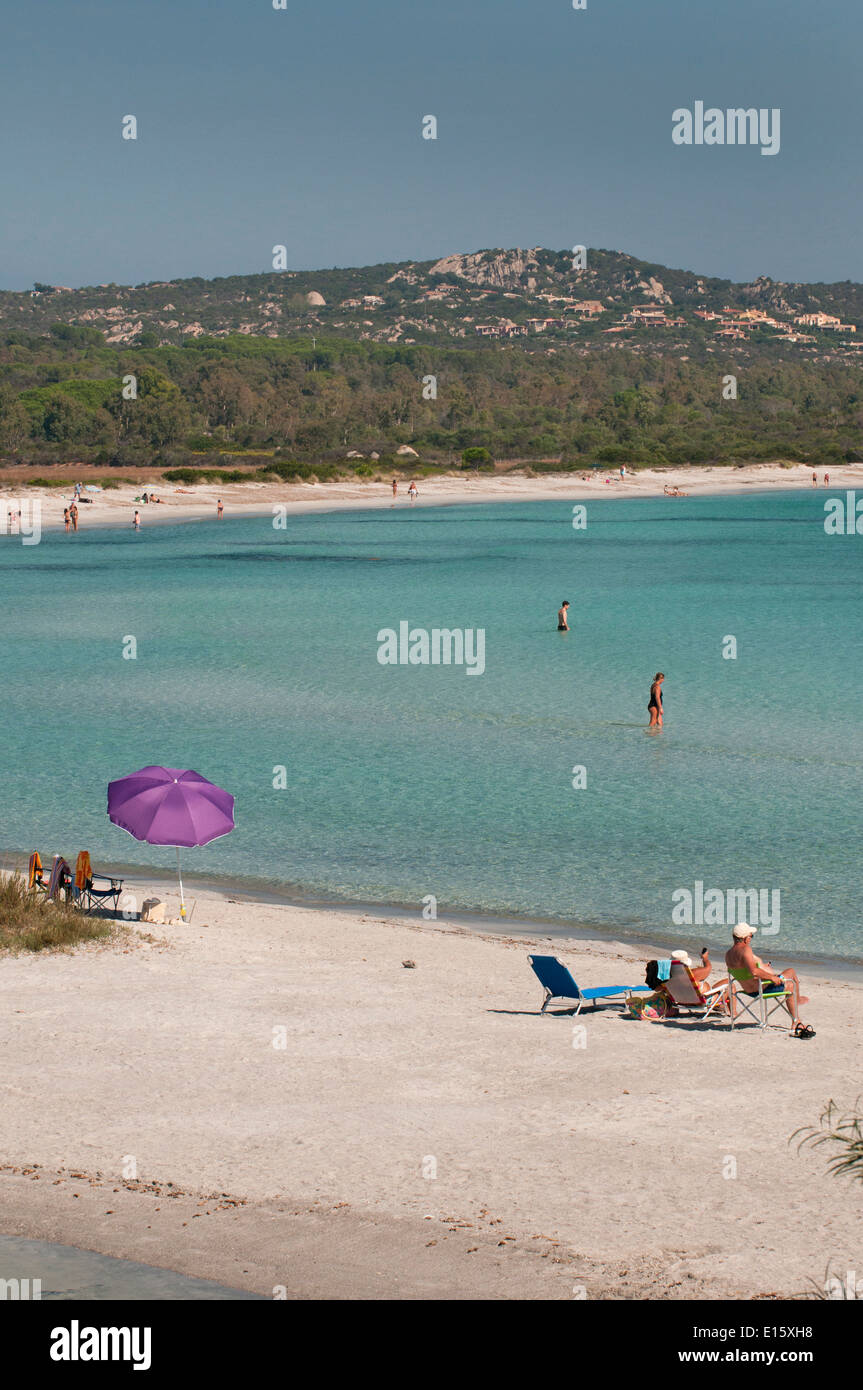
(258, 647)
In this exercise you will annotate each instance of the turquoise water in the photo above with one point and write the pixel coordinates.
(258, 648)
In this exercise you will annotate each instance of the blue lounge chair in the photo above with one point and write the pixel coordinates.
(559, 984)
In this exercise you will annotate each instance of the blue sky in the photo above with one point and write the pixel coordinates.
(303, 127)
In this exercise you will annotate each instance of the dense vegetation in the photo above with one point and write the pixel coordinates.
(276, 403)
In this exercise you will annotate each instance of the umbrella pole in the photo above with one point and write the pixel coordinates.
(180, 877)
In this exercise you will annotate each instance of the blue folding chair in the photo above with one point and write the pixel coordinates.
(559, 984)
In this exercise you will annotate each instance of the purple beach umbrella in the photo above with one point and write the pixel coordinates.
(170, 806)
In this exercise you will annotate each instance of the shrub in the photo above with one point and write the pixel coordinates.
(473, 458)
(193, 475)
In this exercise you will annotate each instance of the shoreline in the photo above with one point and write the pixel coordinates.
(643, 943)
(116, 507)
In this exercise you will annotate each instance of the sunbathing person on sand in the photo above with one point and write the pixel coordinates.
(747, 969)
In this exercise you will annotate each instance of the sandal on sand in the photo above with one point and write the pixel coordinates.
(802, 1030)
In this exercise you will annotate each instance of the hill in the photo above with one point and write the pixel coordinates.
(451, 297)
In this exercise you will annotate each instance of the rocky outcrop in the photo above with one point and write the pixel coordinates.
(654, 289)
(501, 270)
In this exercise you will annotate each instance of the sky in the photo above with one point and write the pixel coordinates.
(303, 127)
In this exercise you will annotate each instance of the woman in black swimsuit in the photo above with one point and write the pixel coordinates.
(655, 706)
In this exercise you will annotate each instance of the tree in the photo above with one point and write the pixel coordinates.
(65, 419)
(475, 457)
(15, 425)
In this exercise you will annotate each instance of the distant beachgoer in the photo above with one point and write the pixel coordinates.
(622, 471)
(145, 499)
(814, 479)
(747, 970)
(826, 479)
(77, 490)
(137, 521)
(412, 491)
(395, 487)
(66, 518)
(73, 516)
(655, 706)
(562, 624)
(220, 510)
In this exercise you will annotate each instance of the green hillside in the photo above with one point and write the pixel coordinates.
(252, 366)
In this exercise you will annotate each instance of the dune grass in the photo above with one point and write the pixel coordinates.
(28, 922)
(841, 1133)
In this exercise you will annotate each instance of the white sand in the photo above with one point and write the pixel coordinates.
(557, 1167)
(117, 507)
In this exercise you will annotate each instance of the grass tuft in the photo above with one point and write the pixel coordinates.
(843, 1133)
(28, 922)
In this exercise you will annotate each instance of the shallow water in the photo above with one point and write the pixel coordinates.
(258, 648)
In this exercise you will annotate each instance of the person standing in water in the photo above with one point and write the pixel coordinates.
(137, 521)
(73, 515)
(562, 624)
(66, 521)
(220, 509)
(655, 705)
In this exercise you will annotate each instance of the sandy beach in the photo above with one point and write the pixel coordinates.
(307, 1114)
(117, 506)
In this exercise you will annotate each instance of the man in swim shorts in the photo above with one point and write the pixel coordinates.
(746, 968)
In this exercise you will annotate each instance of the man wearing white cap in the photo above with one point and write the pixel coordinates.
(746, 968)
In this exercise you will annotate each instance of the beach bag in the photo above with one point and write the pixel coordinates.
(648, 1009)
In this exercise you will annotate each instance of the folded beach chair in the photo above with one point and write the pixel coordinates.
(87, 895)
(559, 984)
(685, 992)
(759, 1006)
(36, 874)
(61, 877)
